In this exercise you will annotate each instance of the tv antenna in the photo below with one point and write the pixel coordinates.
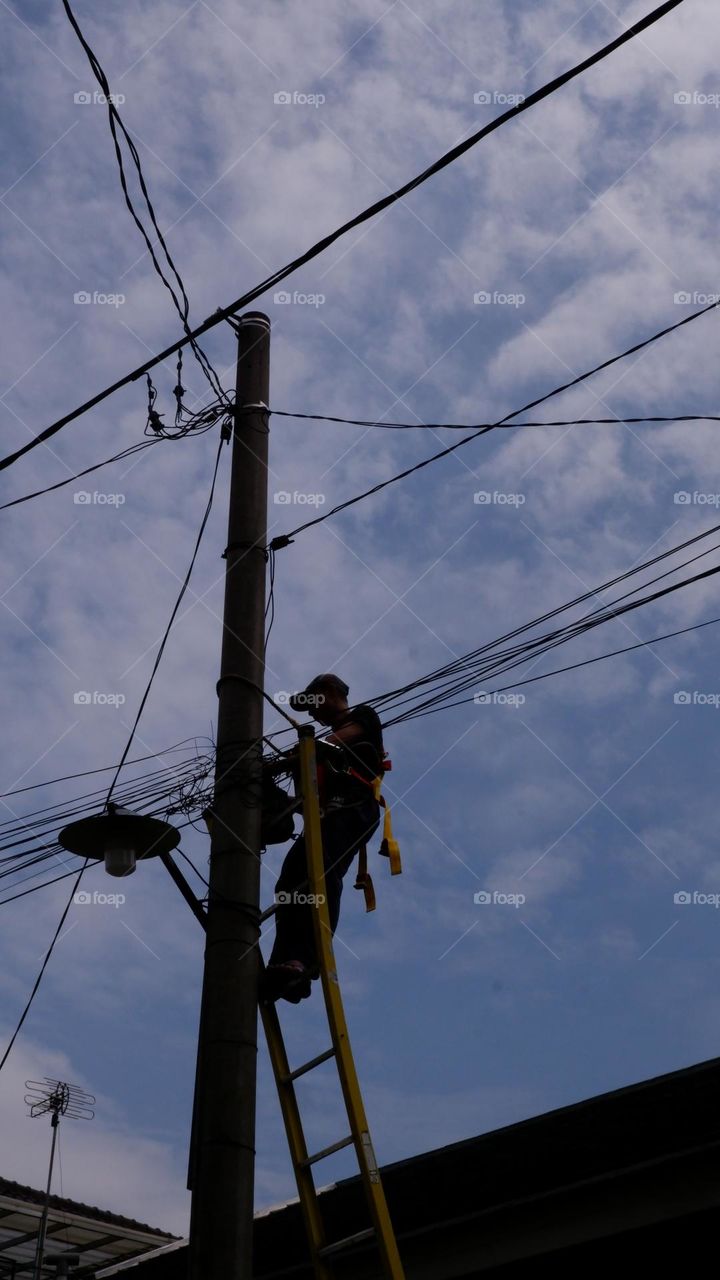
(54, 1098)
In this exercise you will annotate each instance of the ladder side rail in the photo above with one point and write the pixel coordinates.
(370, 1173)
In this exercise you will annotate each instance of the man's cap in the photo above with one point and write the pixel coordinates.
(326, 680)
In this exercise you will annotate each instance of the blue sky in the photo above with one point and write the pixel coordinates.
(595, 797)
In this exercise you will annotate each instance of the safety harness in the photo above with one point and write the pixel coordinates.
(389, 847)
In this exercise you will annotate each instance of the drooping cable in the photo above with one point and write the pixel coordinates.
(224, 313)
(178, 602)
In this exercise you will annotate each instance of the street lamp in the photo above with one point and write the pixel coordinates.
(120, 838)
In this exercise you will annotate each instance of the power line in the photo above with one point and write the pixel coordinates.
(574, 666)
(182, 305)
(173, 615)
(224, 313)
(483, 426)
(44, 966)
(465, 671)
(282, 540)
(117, 457)
(107, 768)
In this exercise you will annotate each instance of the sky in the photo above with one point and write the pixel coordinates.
(571, 233)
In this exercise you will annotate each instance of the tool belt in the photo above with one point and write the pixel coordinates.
(389, 847)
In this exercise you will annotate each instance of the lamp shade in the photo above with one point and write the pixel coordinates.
(119, 838)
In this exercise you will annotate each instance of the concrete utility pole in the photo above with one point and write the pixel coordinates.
(221, 1224)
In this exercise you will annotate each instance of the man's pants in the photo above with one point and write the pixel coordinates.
(344, 831)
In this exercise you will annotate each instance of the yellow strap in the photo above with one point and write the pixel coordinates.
(390, 847)
(364, 880)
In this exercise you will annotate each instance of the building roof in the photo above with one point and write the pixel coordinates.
(99, 1236)
(626, 1161)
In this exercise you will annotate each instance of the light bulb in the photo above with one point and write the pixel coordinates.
(119, 860)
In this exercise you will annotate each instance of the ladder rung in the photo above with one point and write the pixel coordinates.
(326, 1151)
(309, 1066)
(359, 1238)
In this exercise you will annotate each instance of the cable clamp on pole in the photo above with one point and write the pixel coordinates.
(245, 546)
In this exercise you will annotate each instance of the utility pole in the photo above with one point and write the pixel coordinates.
(223, 1158)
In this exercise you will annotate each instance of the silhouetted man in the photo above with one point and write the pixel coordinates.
(349, 818)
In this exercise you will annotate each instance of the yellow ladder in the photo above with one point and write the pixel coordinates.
(322, 1251)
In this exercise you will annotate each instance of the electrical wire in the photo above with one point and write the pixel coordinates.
(181, 303)
(283, 540)
(225, 313)
(107, 768)
(466, 671)
(482, 426)
(44, 966)
(173, 615)
(574, 666)
(117, 457)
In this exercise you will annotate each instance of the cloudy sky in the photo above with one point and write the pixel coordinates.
(581, 227)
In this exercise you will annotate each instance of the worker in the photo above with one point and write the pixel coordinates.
(350, 758)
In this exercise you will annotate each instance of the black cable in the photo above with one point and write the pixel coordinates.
(482, 426)
(642, 644)
(270, 607)
(178, 602)
(115, 121)
(224, 313)
(543, 643)
(117, 457)
(106, 768)
(43, 967)
(284, 539)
